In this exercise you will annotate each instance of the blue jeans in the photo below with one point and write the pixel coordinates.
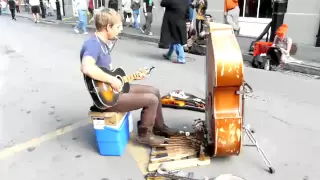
(135, 18)
(178, 48)
(82, 24)
(191, 14)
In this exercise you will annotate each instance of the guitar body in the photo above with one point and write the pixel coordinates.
(102, 93)
(224, 82)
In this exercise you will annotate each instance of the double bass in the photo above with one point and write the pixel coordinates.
(224, 84)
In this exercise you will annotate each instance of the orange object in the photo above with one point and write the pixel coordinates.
(261, 47)
(179, 99)
(230, 4)
(224, 106)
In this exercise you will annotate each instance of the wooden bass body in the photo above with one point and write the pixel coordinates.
(224, 68)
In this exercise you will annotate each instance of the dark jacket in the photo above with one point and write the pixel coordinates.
(12, 4)
(173, 29)
(113, 4)
(135, 5)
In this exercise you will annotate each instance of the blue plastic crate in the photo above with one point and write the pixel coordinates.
(113, 142)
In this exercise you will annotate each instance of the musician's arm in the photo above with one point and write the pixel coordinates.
(89, 68)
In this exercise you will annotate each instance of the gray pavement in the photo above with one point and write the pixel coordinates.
(307, 54)
(42, 90)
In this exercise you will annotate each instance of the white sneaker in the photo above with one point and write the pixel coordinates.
(85, 33)
(150, 34)
(77, 31)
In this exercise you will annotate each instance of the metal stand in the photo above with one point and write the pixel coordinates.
(249, 132)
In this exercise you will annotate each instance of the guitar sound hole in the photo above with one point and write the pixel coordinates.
(122, 83)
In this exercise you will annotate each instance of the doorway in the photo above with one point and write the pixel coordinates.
(255, 15)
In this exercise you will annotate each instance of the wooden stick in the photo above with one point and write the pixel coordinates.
(178, 164)
(171, 156)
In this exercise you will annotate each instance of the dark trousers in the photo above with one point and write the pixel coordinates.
(13, 13)
(199, 26)
(147, 26)
(145, 97)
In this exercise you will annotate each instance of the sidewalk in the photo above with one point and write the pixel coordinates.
(307, 66)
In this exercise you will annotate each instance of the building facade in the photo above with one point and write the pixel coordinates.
(302, 17)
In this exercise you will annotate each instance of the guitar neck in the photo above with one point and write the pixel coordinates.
(129, 78)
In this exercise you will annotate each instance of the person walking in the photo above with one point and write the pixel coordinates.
(18, 6)
(148, 6)
(127, 12)
(191, 11)
(136, 4)
(81, 6)
(113, 4)
(174, 28)
(232, 12)
(12, 7)
(35, 9)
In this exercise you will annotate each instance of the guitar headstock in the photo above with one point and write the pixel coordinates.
(147, 70)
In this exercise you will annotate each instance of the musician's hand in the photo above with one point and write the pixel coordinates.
(116, 84)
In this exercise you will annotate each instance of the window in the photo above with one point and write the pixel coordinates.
(99, 3)
(256, 8)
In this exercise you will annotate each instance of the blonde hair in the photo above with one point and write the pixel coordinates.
(105, 17)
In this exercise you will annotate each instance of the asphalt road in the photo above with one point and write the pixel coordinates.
(44, 130)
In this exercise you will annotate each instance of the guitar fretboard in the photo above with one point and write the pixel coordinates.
(129, 78)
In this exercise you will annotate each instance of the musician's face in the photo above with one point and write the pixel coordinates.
(114, 30)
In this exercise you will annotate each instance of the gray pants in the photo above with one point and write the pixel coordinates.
(233, 18)
(147, 26)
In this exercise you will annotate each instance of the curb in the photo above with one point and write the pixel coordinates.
(302, 68)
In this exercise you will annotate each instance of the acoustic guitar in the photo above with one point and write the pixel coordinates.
(103, 95)
(224, 104)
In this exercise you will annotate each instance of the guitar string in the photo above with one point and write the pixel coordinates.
(107, 51)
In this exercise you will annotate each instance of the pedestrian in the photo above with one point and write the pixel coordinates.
(127, 12)
(201, 7)
(174, 29)
(148, 6)
(113, 4)
(18, 6)
(136, 4)
(232, 12)
(0, 8)
(35, 9)
(12, 7)
(90, 9)
(81, 6)
(191, 11)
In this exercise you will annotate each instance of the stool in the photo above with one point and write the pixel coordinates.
(112, 131)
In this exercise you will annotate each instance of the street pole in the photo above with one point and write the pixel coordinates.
(43, 10)
(59, 17)
(279, 10)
